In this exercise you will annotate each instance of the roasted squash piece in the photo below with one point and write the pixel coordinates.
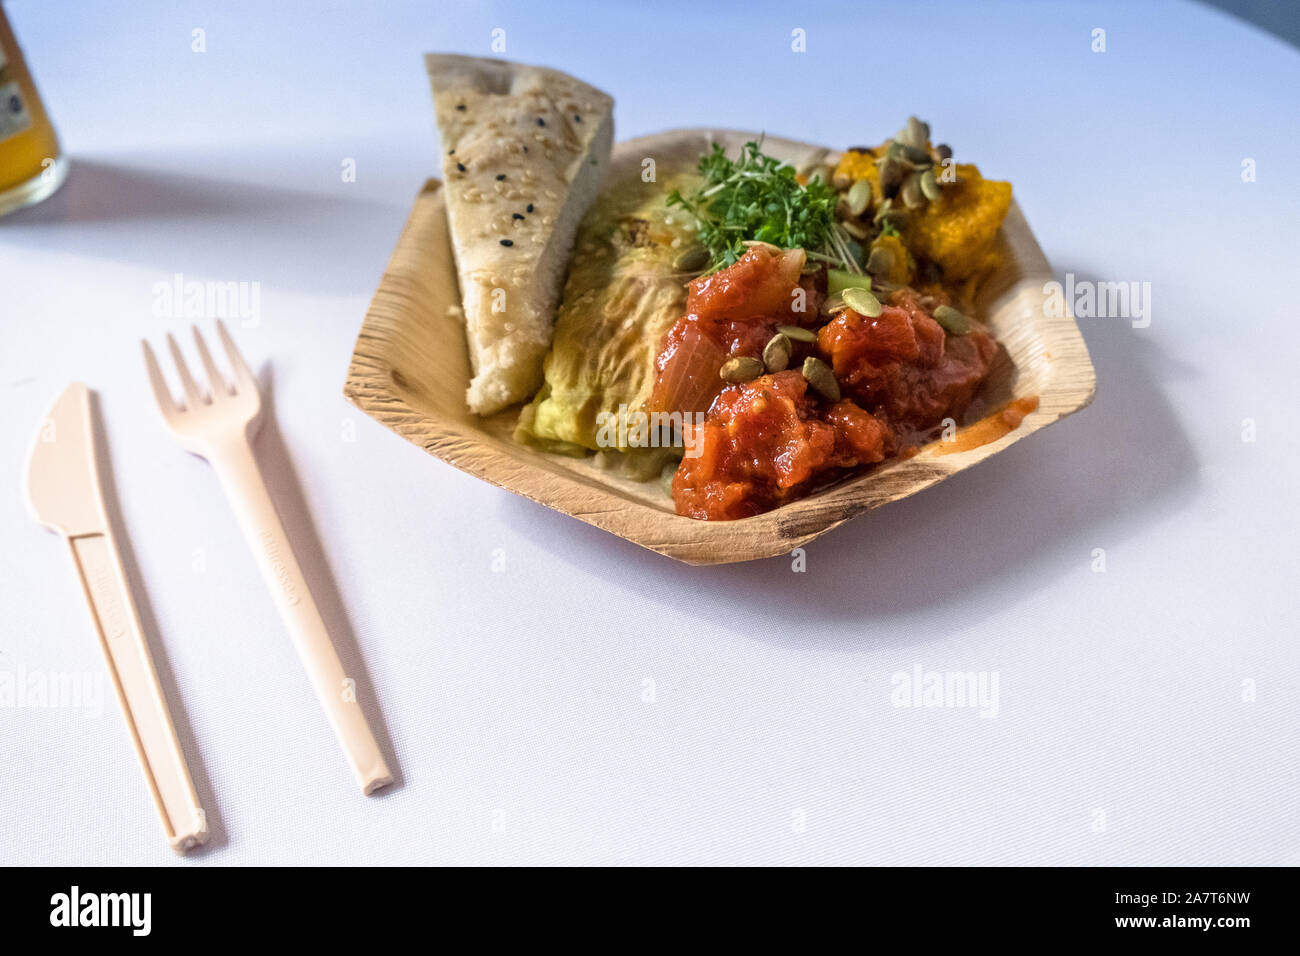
(957, 230)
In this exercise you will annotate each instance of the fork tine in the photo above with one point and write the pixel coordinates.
(192, 396)
(243, 375)
(217, 386)
(161, 393)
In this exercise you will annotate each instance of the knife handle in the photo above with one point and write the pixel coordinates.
(136, 683)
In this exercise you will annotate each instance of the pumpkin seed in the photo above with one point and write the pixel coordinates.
(740, 369)
(776, 354)
(691, 260)
(881, 261)
(797, 333)
(891, 176)
(859, 197)
(821, 378)
(854, 229)
(952, 320)
(915, 154)
(929, 185)
(911, 193)
(862, 302)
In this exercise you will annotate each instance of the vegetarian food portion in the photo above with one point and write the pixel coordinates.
(523, 152)
(833, 329)
(743, 330)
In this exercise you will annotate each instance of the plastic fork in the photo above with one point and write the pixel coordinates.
(219, 426)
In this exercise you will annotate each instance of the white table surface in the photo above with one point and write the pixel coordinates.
(508, 648)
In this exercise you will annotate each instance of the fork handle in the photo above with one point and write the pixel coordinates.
(237, 467)
(136, 684)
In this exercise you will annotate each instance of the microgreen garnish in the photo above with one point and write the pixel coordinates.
(757, 197)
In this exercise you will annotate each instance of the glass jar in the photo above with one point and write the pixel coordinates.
(31, 164)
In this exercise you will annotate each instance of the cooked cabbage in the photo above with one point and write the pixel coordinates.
(622, 294)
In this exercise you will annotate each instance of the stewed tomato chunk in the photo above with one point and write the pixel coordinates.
(764, 441)
(734, 311)
(903, 366)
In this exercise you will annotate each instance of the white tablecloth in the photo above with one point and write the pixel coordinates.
(550, 693)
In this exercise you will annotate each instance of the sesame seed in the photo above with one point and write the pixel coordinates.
(507, 242)
(577, 118)
(540, 121)
(500, 177)
(530, 207)
(461, 167)
(461, 107)
(517, 215)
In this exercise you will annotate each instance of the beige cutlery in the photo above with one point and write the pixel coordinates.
(219, 426)
(63, 490)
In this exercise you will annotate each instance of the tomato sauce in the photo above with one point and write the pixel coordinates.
(991, 427)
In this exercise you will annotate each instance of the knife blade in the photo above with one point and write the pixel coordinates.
(62, 476)
(65, 495)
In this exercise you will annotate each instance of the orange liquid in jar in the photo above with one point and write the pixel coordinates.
(31, 164)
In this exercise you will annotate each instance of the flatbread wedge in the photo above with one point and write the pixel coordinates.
(523, 149)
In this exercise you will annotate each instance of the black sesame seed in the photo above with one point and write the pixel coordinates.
(525, 149)
(507, 242)
(461, 107)
(500, 176)
(461, 167)
(451, 152)
(540, 121)
(577, 118)
(530, 207)
(517, 215)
